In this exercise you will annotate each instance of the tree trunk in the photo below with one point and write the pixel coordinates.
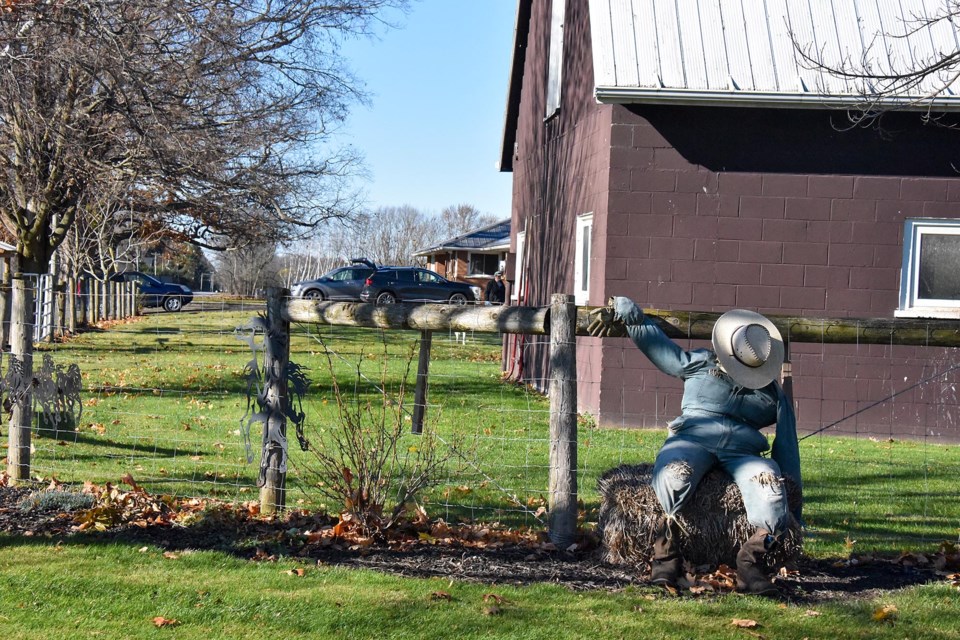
(5, 304)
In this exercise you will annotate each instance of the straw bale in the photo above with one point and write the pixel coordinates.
(714, 520)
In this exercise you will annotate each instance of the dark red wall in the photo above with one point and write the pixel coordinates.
(780, 212)
(708, 208)
(559, 166)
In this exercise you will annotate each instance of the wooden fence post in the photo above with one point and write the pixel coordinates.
(72, 305)
(562, 495)
(276, 355)
(21, 337)
(423, 380)
(101, 300)
(6, 292)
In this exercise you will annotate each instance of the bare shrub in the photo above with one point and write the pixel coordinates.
(369, 462)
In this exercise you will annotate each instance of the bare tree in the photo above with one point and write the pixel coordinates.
(458, 219)
(391, 235)
(248, 270)
(216, 113)
(898, 68)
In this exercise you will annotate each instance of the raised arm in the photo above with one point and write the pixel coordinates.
(663, 352)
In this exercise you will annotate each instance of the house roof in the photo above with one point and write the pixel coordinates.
(492, 237)
(746, 53)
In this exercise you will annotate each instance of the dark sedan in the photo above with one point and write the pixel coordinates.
(413, 284)
(154, 293)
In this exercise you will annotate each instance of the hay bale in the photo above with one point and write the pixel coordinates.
(714, 519)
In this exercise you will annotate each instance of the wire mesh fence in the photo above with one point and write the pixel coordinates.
(164, 398)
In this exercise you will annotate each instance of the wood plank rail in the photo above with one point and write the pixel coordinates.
(677, 324)
(421, 317)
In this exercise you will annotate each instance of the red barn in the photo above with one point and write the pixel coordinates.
(685, 155)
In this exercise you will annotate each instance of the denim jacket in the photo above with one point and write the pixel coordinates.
(707, 390)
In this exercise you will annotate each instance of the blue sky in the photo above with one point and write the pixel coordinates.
(438, 88)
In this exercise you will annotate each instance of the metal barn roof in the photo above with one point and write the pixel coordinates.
(745, 51)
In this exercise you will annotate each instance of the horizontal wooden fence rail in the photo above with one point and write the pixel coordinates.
(899, 331)
(421, 317)
(677, 324)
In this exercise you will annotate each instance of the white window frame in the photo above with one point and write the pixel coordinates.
(555, 61)
(478, 274)
(583, 255)
(518, 276)
(910, 306)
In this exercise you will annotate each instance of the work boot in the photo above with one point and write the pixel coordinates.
(751, 569)
(667, 565)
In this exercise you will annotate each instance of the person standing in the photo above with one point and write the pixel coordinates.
(730, 393)
(495, 293)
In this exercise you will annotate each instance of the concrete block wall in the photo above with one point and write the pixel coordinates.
(682, 235)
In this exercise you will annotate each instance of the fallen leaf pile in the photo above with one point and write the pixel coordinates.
(115, 506)
(723, 580)
(348, 533)
(944, 559)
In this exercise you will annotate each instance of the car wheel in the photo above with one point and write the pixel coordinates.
(386, 298)
(172, 303)
(458, 298)
(313, 294)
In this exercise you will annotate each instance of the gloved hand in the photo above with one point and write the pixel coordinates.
(605, 321)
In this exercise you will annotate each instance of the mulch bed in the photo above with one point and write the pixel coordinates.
(520, 562)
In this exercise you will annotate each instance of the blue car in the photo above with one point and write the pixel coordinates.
(154, 293)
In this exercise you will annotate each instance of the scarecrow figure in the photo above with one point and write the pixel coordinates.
(730, 393)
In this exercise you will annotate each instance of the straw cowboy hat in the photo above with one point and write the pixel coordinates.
(749, 347)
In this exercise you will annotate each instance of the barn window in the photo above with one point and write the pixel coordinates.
(583, 253)
(930, 273)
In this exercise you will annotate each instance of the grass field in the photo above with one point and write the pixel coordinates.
(164, 399)
(110, 591)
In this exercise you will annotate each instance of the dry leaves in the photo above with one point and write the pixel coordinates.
(743, 623)
(160, 621)
(886, 613)
(441, 595)
(954, 579)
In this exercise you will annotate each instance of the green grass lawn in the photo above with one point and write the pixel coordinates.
(165, 396)
(108, 591)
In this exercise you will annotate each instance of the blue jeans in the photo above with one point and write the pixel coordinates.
(698, 444)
